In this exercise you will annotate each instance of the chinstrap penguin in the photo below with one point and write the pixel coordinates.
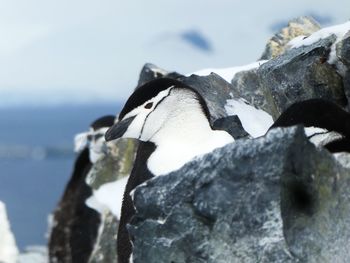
(75, 225)
(326, 124)
(172, 121)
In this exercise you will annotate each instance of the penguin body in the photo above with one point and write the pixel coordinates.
(75, 225)
(173, 123)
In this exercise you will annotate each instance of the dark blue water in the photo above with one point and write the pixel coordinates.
(31, 182)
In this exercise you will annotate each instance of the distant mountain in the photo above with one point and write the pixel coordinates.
(197, 39)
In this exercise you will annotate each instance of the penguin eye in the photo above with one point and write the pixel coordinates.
(149, 105)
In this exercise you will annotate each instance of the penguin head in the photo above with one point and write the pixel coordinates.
(153, 106)
(94, 138)
(326, 124)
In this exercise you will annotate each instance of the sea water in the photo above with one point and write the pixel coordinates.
(36, 161)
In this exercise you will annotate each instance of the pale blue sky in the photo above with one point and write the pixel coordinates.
(90, 51)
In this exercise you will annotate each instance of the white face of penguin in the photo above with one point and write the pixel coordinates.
(168, 111)
(133, 124)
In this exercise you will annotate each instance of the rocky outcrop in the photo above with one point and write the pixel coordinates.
(272, 199)
(114, 166)
(277, 198)
(298, 73)
(277, 45)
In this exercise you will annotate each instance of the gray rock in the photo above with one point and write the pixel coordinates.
(215, 91)
(247, 85)
(299, 74)
(105, 247)
(343, 50)
(117, 164)
(272, 199)
(343, 53)
(150, 72)
(343, 158)
(301, 26)
(232, 125)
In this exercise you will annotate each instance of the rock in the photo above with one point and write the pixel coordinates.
(277, 198)
(275, 201)
(301, 26)
(105, 247)
(343, 158)
(215, 91)
(343, 53)
(150, 72)
(299, 74)
(295, 74)
(114, 166)
(316, 229)
(247, 85)
(8, 247)
(343, 50)
(232, 125)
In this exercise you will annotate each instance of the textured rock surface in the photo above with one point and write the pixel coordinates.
(215, 91)
(150, 72)
(343, 53)
(105, 247)
(301, 26)
(253, 217)
(247, 85)
(114, 166)
(299, 74)
(273, 199)
(343, 50)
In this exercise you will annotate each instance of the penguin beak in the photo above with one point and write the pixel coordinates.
(118, 129)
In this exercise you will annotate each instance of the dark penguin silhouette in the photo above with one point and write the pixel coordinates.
(172, 122)
(75, 225)
(319, 113)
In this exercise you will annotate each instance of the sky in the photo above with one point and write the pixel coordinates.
(86, 51)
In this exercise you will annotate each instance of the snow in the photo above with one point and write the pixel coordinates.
(321, 137)
(34, 254)
(228, 73)
(254, 121)
(108, 196)
(339, 31)
(8, 247)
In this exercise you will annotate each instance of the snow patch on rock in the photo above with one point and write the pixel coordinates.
(8, 247)
(254, 121)
(339, 31)
(228, 73)
(108, 196)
